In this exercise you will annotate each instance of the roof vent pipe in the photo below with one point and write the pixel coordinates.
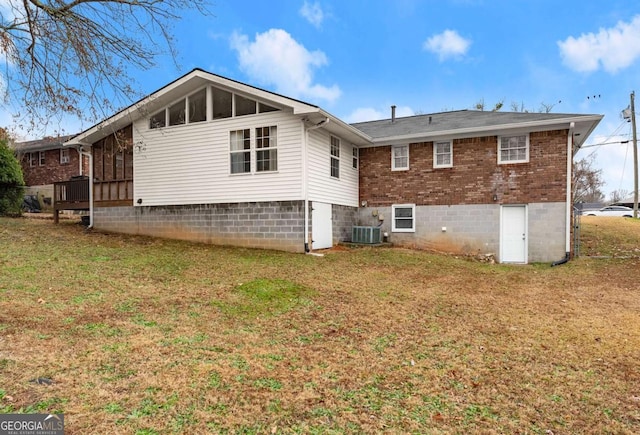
(393, 114)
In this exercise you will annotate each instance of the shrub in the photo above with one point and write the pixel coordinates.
(11, 182)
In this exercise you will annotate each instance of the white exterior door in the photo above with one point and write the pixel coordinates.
(513, 234)
(321, 226)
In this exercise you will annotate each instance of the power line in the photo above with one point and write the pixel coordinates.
(604, 143)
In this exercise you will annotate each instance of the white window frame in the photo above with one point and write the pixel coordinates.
(334, 145)
(32, 159)
(64, 156)
(355, 162)
(394, 207)
(436, 153)
(41, 158)
(242, 151)
(506, 162)
(271, 148)
(184, 115)
(253, 150)
(395, 167)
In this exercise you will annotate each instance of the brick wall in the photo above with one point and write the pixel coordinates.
(52, 170)
(269, 225)
(474, 178)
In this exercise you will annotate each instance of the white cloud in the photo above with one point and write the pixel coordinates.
(448, 44)
(363, 114)
(275, 58)
(612, 49)
(313, 13)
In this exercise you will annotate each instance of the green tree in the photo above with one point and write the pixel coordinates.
(11, 182)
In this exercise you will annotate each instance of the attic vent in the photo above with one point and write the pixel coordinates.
(369, 235)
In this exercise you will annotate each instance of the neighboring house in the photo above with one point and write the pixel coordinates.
(46, 161)
(627, 202)
(210, 159)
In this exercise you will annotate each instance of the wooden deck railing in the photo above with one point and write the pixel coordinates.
(70, 195)
(74, 194)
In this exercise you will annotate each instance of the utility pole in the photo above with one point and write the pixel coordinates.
(635, 156)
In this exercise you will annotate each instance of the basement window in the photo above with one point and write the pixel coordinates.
(403, 218)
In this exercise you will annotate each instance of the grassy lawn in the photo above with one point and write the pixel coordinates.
(148, 336)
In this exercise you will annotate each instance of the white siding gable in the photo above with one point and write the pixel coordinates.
(189, 164)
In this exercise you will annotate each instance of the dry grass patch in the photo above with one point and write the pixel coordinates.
(146, 336)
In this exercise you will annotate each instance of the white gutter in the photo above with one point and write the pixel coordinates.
(473, 131)
(80, 168)
(569, 195)
(305, 179)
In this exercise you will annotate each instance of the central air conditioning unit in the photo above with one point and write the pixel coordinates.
(369, 235)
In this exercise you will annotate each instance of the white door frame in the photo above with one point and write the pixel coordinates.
(525, 235)
(321, 225)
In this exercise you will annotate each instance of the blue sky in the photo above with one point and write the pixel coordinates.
(355, 58)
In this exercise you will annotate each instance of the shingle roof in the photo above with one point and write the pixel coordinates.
(451, 121)
(47, 143)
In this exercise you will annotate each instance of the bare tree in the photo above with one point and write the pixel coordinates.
(586, 181)
(618, 195)
(518, 107)
(74, 56)
(544, 107)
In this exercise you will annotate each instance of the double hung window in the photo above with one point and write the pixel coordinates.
(513, 149)
(400, 157)
(404, 218)
(442, 155)
(266, 149)
(262, 149)
(64, 156)
(240, 151)
(335, 157)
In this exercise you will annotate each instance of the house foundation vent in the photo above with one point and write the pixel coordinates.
(369, 235)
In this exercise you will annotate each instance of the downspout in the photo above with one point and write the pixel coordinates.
(305, 181)
(567, 253)
(80, 168)
(90, 156)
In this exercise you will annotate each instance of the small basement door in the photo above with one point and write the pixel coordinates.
(321, 226)
(513, 234)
